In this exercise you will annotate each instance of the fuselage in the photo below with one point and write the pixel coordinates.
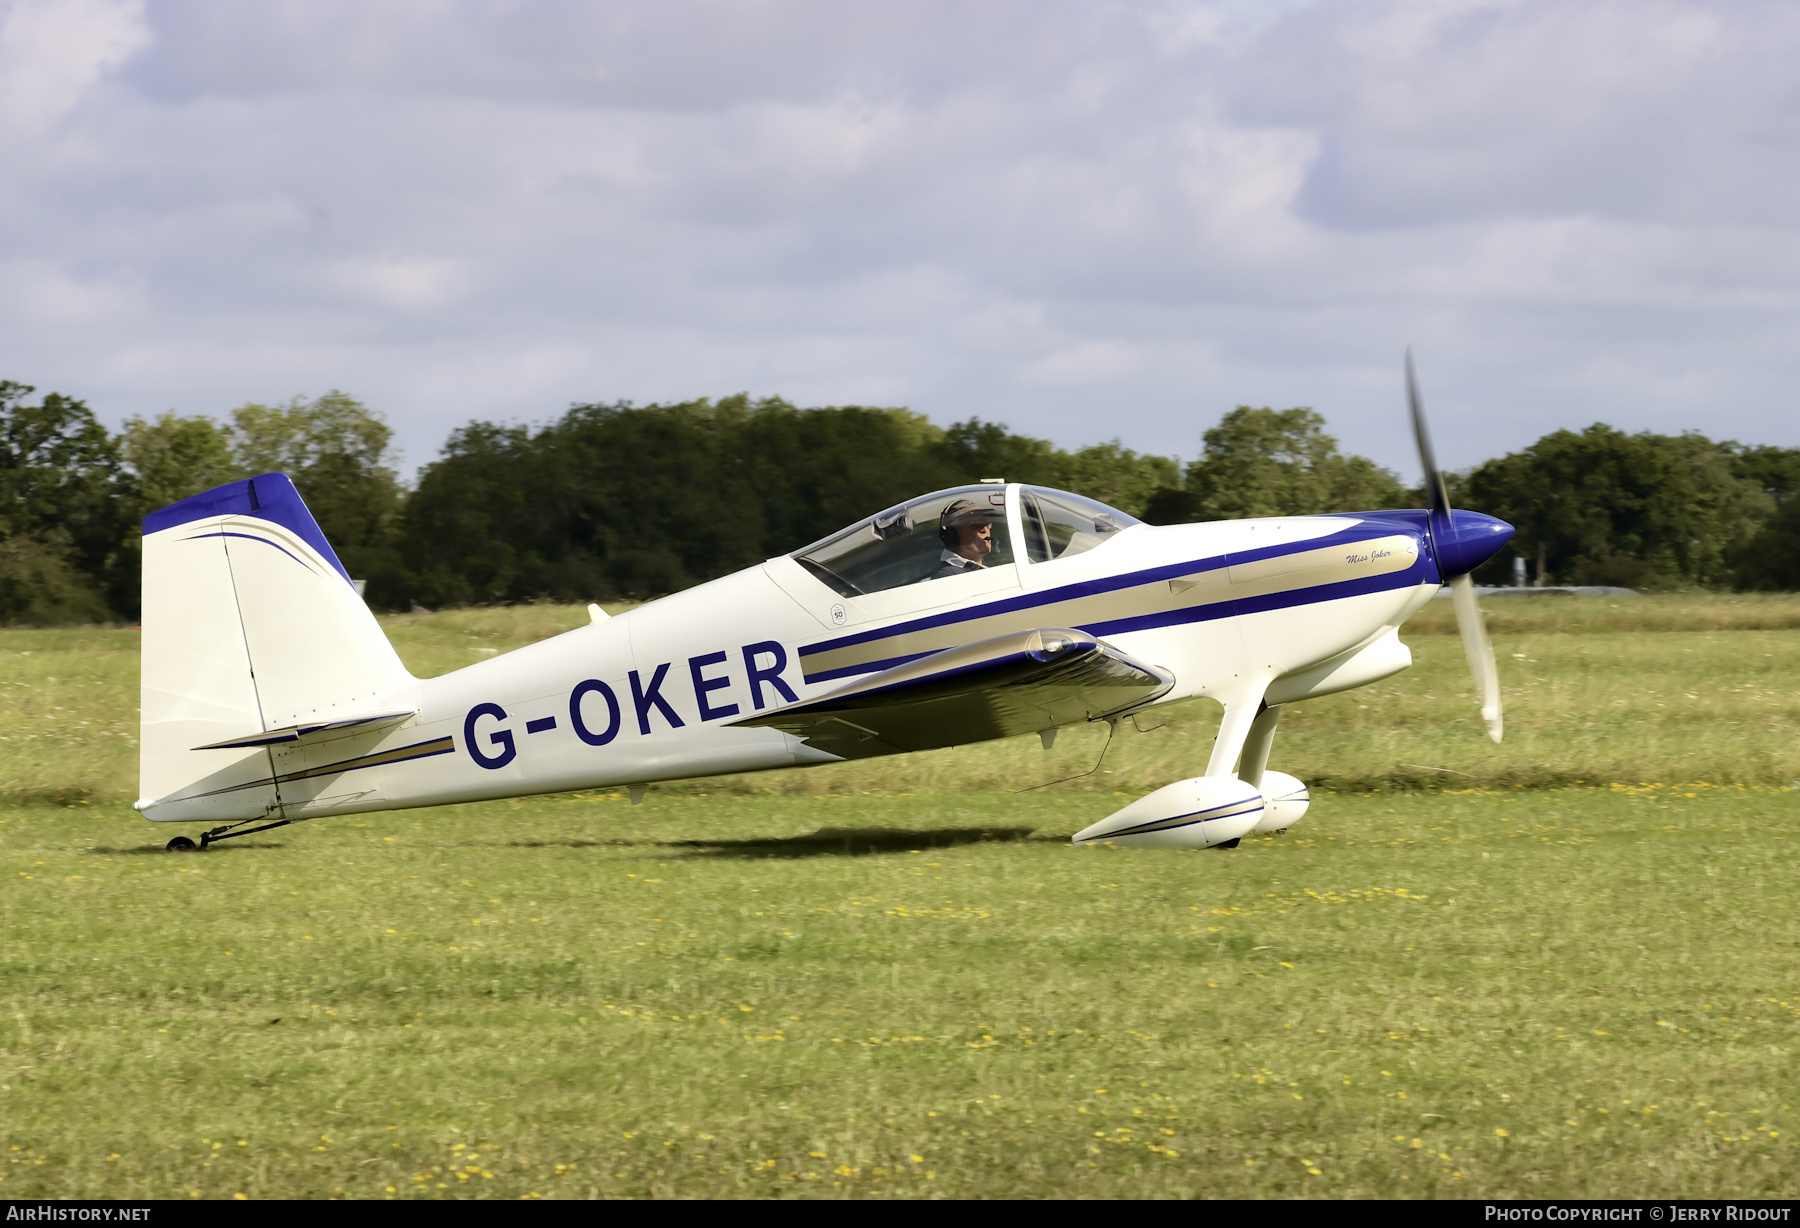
(1285, 608)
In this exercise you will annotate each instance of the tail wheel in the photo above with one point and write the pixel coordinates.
(181, 844)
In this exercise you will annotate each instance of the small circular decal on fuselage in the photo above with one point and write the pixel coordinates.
(837, 614)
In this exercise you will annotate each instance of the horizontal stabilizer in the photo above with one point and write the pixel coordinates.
(1025, 682)
(293, 733)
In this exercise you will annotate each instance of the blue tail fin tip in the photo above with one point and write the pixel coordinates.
(277, 502)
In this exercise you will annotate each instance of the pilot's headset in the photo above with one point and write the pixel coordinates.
(959, 512)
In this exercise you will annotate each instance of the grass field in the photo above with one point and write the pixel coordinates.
(896, 980)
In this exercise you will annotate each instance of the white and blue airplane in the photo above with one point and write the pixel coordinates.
(271, 695)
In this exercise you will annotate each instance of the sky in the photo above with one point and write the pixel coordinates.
(1085, 220)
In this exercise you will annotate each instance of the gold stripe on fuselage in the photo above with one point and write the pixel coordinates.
(400, 754)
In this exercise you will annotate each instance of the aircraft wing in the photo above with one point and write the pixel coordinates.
(1020, 683)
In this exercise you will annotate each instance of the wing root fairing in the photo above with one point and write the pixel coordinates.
(1024, 682)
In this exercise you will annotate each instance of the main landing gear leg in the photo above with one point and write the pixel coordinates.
(1255, 759)
(1244, 736)
(1234, 731)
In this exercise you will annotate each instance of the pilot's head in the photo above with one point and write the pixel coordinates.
(967, 529)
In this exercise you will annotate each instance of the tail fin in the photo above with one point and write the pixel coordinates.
(251, 624)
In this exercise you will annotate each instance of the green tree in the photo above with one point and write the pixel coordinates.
(472, 533)
(1269, 462)
(628, 500)
(41, 587)
(640, 500)
(61, 515)
(972, 450)
(813, 471)
(1643, 510)
(174, 457)
(1116, 476)
(1770, 559)
(1776, 471)
(339, 454)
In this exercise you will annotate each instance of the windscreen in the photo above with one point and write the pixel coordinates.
(909, 543)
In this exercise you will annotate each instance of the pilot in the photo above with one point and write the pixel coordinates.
(967, 532)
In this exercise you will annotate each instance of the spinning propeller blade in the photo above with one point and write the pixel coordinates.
(1462, 589)
(1434, 477)
(1478, 650)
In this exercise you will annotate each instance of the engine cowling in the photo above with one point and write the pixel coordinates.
(1285, 802)
(1190, 814)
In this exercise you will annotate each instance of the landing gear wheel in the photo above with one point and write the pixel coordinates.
(181, 844)
(1227, 844)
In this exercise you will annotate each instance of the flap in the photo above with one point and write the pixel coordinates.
(293, 733)
(1020, 683)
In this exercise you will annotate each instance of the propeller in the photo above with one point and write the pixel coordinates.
(1445, 542)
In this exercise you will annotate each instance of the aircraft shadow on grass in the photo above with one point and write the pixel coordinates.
(136, 849)
(826, 842)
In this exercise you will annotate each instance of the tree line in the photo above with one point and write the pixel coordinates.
(620, 500)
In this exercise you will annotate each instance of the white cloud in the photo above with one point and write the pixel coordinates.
(1083, 219)
(52, 52)
(1085, 362)
(387, 281)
